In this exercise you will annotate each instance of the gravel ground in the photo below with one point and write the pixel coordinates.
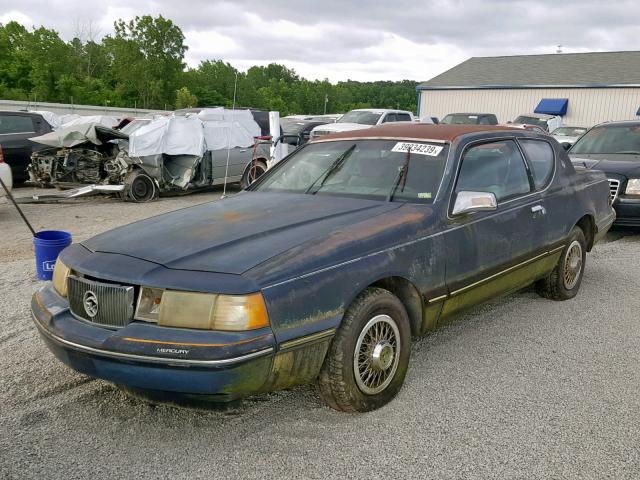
(521, 387)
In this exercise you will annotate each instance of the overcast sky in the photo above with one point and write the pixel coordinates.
(358, 40)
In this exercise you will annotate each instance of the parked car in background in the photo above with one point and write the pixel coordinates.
(297, 132)
(547, 122)
(614, 148)
(363, 118)
(568, 135)
(327, 266)
(469, 119)
(6, 176)
(15, 130)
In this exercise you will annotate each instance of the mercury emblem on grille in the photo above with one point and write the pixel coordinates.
(90, 301)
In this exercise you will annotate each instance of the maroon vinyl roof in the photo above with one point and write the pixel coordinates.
(416, 131)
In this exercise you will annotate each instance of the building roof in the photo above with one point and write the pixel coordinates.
(415, 131)
(596, 69)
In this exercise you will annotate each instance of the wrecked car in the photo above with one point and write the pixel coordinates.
(153, 156)
(326, 267)
(78, 154)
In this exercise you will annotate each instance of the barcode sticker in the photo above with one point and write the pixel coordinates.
(418, 148)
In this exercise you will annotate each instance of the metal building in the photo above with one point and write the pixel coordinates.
(597, 87)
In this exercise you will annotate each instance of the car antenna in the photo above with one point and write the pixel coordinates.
(233, 111)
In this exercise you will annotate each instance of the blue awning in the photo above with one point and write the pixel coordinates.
(552, 106)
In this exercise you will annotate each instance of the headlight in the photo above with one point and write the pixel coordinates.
(633, 187)
(207, 311)
(59, 280)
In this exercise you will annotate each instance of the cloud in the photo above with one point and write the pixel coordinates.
(372, 40)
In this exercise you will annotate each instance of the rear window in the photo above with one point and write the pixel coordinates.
(10, 124)
(540, 122)
(541, 161)
(611, 139)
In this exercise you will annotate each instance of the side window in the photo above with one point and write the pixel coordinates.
(541, 160)
(10, 124)
(391, 117)
(484, 121)
(496, 167)
(403, 117)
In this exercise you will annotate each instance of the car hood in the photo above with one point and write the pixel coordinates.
(342, 127)
(238, 233)
(622, 164)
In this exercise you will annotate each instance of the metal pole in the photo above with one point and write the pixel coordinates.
(33, 232)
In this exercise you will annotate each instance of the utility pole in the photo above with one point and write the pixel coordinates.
(326, 100)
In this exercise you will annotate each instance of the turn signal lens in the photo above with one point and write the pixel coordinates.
(148, 308)
(633, 187)
(59, 279)
(212, 312)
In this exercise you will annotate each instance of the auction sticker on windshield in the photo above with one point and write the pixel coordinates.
(418, 148)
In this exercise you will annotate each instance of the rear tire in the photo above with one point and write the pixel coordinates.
(564, 281)
(253, 171)
(139, 187)
(368, 358)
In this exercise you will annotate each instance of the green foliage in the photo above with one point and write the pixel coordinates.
(185, 99)
(142, 64)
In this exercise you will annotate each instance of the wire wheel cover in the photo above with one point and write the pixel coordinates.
(376, 355)
(572, 265)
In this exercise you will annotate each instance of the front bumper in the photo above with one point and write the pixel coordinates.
(627, 211)
(224, 365)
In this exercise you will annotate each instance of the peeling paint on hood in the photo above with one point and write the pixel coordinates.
(238, 233)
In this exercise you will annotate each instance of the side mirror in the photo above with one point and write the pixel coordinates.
(468, 202)
(566, 145)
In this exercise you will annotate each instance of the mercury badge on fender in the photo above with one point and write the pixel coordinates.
(327, 266)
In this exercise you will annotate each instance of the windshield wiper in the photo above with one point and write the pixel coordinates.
(334, 167)
(402, 176)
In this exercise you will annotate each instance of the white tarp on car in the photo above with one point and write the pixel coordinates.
(228, 128)
(71, 136)
(211, 129)
(71, 119)
(170, 135)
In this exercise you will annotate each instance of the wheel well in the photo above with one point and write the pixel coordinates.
(588, 226)
(408, 295)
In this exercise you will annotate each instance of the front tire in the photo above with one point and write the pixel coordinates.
(564, 281)
(255, 169)
(368, 358)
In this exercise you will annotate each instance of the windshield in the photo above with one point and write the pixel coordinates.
(541, 122)
(609, 139)
(363, 118)
(460, 120)
(363, 168)
(292, 127)
(568, 131)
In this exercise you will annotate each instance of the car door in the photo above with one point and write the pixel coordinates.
(15, 131)
(493, 252)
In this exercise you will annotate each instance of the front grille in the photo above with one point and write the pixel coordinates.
(614, 186)
(106, 304)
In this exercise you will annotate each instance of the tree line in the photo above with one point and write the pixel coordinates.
(141, 64)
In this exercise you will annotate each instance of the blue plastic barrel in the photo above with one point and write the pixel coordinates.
(48, 244)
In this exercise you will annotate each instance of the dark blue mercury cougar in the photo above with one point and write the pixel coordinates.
(325, 268)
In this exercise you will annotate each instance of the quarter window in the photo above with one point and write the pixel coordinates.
(10, 124)
(541, 160)
(403, 117)
(496, 167)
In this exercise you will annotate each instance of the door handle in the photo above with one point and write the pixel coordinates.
(244, 150)
(538, 209)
